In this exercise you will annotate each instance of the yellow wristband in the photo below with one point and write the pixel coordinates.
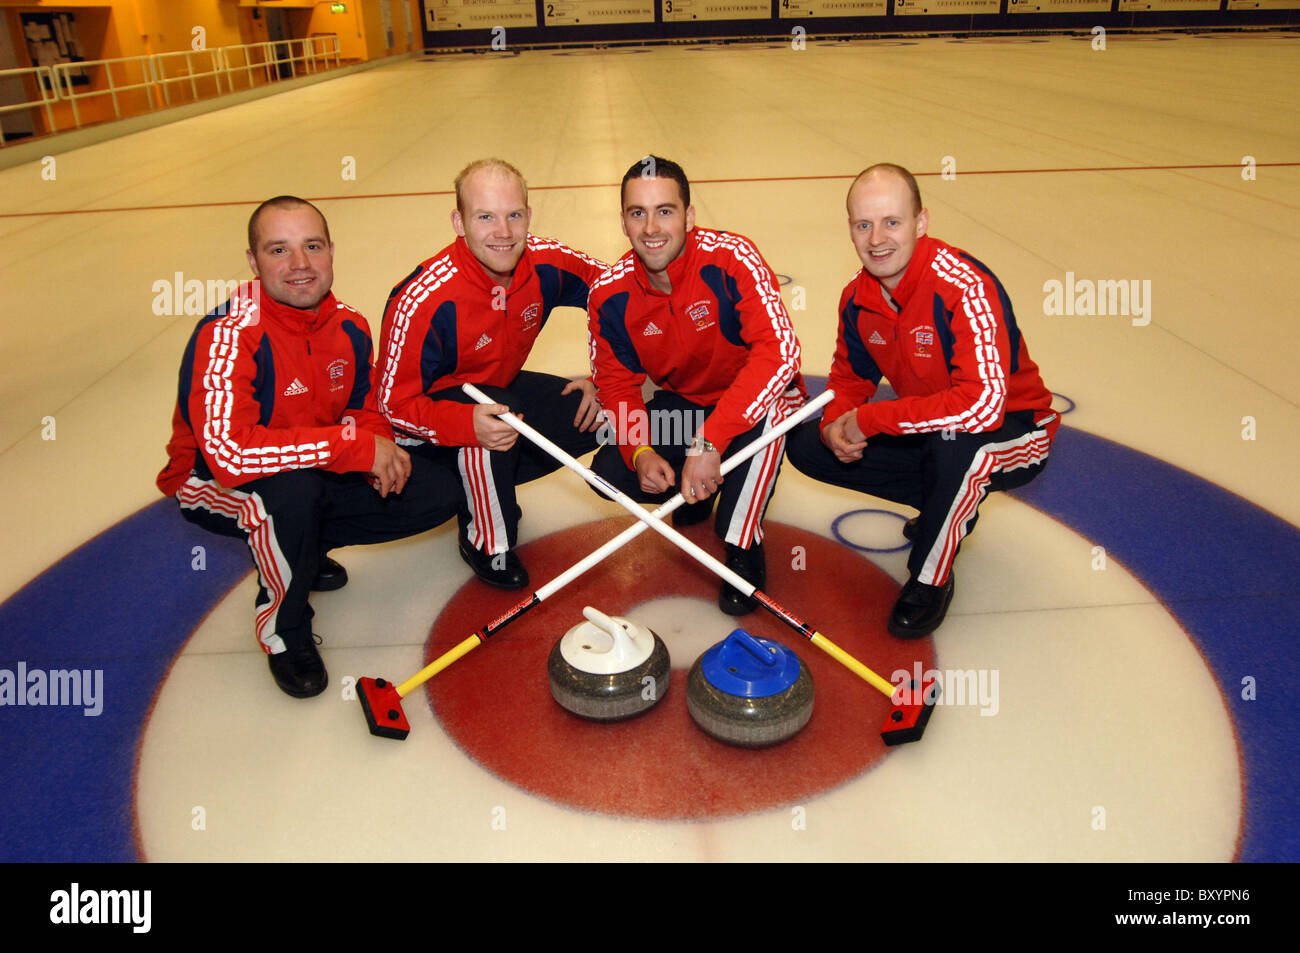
(639, 450)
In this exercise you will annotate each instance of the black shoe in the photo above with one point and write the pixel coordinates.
(920, 609)
(752, 566)
(329, 576)
(691, 513)
(909, 528)
(504, 570)
(300, 671)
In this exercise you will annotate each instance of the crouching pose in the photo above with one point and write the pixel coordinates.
(277, 439)
(471, 315)
(971, 415)
(698, 312)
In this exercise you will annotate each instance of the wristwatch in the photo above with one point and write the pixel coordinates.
(700, 446)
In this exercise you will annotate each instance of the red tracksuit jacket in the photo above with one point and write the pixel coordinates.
(954, 354)
(266, 388)
(722, 337)
(441, 330)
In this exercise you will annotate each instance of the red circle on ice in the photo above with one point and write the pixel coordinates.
(496, 702)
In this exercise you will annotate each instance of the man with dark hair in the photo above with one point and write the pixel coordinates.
(971, 415)
(470, 315)
(276, 437)
(654, 167)
(699, 313)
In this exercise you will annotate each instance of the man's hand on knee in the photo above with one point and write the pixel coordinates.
(588, 416)
(391, 468)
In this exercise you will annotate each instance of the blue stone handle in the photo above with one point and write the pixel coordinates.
(755, 647)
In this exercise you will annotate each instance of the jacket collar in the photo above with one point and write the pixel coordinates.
(922, 255)
(677, 269)
(470, 267)
(296, 318)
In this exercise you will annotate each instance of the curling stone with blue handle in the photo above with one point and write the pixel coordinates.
(749, 692)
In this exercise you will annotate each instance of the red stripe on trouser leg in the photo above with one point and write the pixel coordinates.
(753, 504)
(246, 510)
(483, 537)
(485, 514)
(204, 497)
(934, 571)
(268, 558)
(971, 500)
(493, 533)
(468, 473)
(753, 532)
(474, 461)
(745, 501)
(275, 586)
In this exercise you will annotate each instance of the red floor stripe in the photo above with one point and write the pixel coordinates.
(613, 185)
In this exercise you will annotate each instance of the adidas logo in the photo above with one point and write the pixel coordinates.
(296, 388)
(876, 338)
(483, 342)
(651, 329)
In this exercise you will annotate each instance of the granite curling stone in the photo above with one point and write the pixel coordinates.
(749, 692)
(608, 669)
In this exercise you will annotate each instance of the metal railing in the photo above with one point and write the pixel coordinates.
(48, 93)
(66, 73)
(314, 53)
(156, 74)
(188, 72)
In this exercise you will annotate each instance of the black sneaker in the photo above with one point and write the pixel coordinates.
(920, 609)
(909, 529)
(749, 564)
(329, 576)
(299, 670)
(504, 570)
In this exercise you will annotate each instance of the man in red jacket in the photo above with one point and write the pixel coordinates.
(276, 437)
(972, 413)
(699, 313)
(470, 315)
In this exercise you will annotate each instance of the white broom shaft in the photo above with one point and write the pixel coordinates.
(632, 532)
(618, 496)
(664, 530)
(560, 581)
